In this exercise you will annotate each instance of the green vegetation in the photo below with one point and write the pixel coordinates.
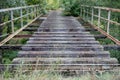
(39, 75)
(52, 4)
(8, 56)
(103, 41)
(71, 7)
(115, 54)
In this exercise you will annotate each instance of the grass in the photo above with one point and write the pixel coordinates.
(9, 55)
(44, 75)
(50, 74)
(115, 54)
(106, 41)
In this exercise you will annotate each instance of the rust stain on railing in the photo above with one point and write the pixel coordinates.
(84, 11)
(34, 10)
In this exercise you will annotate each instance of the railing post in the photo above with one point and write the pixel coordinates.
(108, 24)
(38, 10)
(28, 14)
(0, 56)
(87, 14)
(31, 13)
(99, 16)
(34, 11)
(21, 15)
(84, 12)
(81, 11)
(12, 21)
(92, 18)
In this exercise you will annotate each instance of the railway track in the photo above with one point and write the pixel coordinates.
(64, 42)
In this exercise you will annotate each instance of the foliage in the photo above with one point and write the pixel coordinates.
(8, 55)
(45, 4)
(11, 3)
(33, 2)
(45, 75)
(72, 7)
(41, 3)
(52, 4)
(115, 54)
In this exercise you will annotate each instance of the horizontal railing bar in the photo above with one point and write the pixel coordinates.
(108, 9)
(17, 8)
(111, 21)
(96, 16)
(66, 64)
(99, 19)
(108, 35)
(87, 12)
(15, 19)
(5, 23)
(86, 6)
(114, 22)
(4, 35)
(12, 35)
(103, 8)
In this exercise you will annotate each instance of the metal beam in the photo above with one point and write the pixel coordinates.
(90, 29)
(33, 25)
(100, 36)
(11, 47)
(30, 35)
(108, 35)
(35, 29)
(110, 47)
(23, 36)
(18, 31)
(19, 47)
(30, 29)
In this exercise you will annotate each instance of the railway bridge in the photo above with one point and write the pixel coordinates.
(60, 42)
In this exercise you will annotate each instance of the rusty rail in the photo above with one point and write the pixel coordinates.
(89, 11)
(31, 13)
(92, 66)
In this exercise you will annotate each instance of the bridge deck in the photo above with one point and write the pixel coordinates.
(63, 40)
